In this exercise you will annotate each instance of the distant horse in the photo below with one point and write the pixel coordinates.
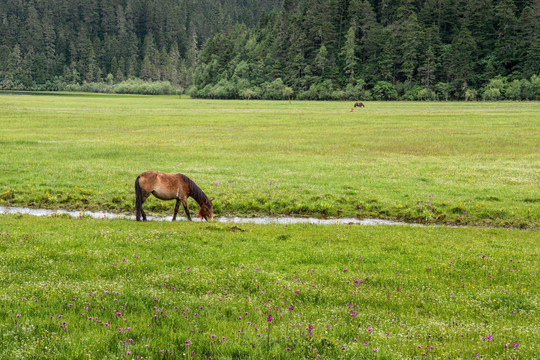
(170, 187)
(358, 104)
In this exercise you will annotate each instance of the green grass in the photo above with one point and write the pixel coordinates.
(457, 163)
(102, 289)
(74, 289)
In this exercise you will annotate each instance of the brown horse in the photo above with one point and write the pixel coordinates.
(358, 104)
(170, 187)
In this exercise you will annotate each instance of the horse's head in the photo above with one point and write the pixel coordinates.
(206, 211)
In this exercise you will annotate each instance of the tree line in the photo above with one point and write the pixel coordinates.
(59, 44)
(303, 49)
(379, 49)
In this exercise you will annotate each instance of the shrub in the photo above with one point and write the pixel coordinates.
(513, 91)
(384, 90)
(491, 94)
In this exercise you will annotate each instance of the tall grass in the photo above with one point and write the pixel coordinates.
(119, 289)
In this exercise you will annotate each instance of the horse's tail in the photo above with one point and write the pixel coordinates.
(138, 199)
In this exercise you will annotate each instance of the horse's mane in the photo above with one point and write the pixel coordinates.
(195, 192)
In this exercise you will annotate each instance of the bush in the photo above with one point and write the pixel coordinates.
(527, 92)
(426, 94)
(306, 95)
(470, 94)
(357, 92)
(443, 89)
(513, 90)
(384, 90)
(496, 89)
(132, 86)
(413, 94)
(535, 87)
(274, 90)
(491, 94)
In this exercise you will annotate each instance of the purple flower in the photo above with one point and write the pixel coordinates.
(188, 342)
(269, 318)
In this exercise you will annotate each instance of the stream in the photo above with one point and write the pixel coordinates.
(221, 219)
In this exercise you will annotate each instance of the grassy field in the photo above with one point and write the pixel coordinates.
(118, 289)
(101, 289)
(456, 163)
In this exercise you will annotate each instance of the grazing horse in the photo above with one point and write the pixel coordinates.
(170, 187)
(358, 104)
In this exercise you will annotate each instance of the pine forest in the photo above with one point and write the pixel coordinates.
(291, 49)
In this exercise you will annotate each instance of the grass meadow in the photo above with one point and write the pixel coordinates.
(119, 289)
(445, 163)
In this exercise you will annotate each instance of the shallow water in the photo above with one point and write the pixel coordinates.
(223, 219)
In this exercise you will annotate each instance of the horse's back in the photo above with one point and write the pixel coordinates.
(164, 186)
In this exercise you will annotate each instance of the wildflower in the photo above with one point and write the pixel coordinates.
(19, 315)
(375, 350)
(188, 342)
(269, 318)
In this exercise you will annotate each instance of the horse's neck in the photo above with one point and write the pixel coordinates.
(196, 193)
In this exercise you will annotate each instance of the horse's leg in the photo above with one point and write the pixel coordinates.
(184, 202)
(144, 197)
(176, 209)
